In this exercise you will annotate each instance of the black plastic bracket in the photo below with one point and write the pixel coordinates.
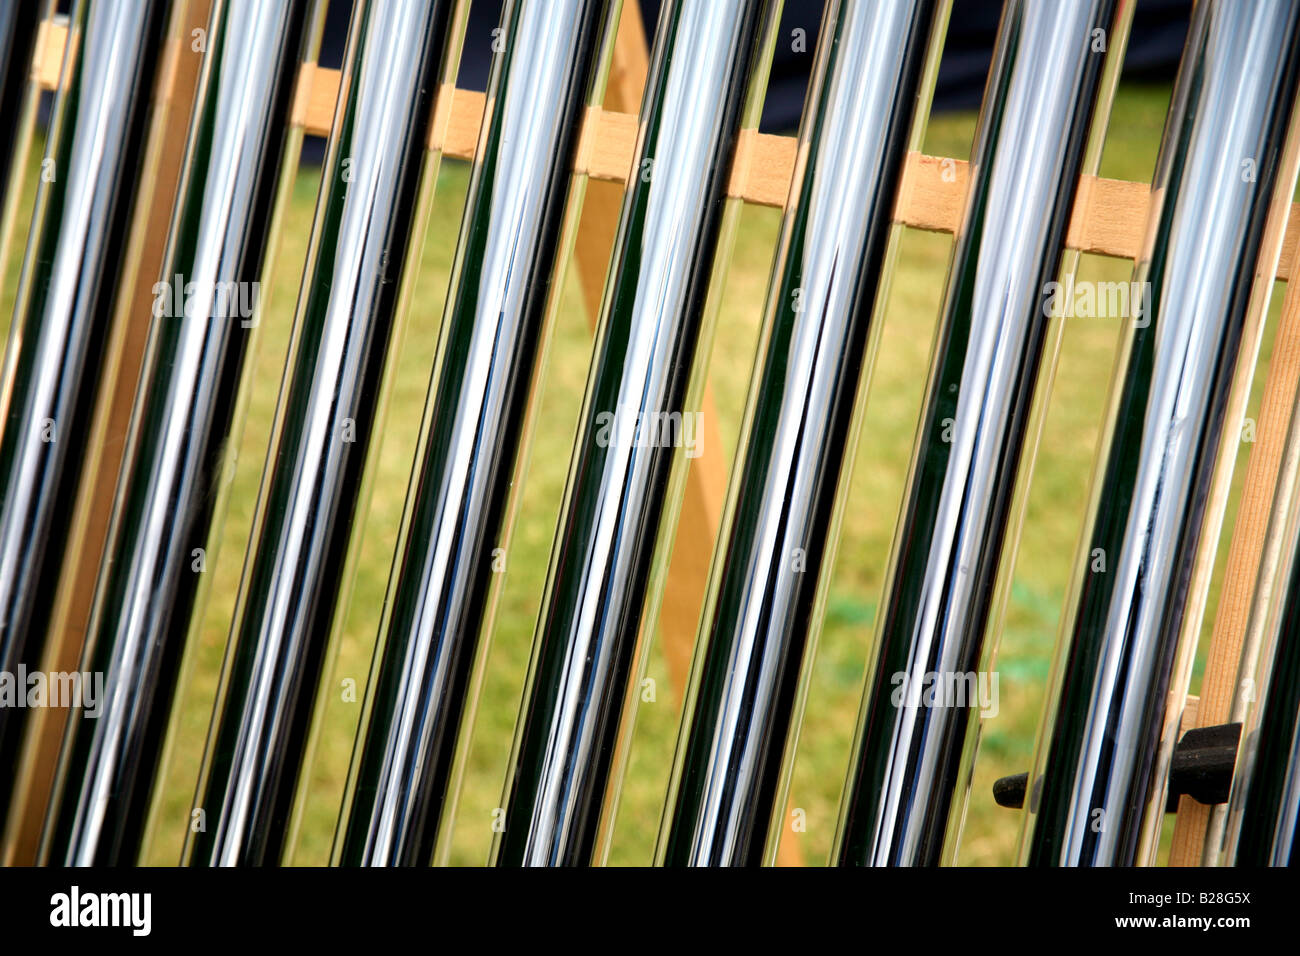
(1202, 769)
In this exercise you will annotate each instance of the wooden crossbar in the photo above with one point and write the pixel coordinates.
(1110, 215)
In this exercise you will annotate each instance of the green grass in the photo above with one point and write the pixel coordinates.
(1055, 508)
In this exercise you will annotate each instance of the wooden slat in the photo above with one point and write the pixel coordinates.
(762, 169)
(1289, 262)
(1110, 217)
(314, 99)
(48, 58)
(460, 135)
(932, 192)
(607, 147)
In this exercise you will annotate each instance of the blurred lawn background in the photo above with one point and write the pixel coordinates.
(1055, 510)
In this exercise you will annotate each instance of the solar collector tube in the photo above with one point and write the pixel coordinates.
(652, 320)
(493, 333)
(376, 185)
(1097, 796)
(62, 320)
(905, 782)
(872, 82)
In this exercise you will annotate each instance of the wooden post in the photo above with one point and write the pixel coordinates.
(1245, 552)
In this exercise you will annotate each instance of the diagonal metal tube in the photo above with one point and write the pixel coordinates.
(375, 191)
(872, 82)
(66, 301)
(204, 317)
(1103, 752)
(1029, 151)
(20, 22)
(651, 323)
(493, 332)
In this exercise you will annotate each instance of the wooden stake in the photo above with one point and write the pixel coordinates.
(1245, 551)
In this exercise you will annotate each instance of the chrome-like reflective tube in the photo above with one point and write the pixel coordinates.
(1035, 124)
(66, 302)
(869, 81)
(651, 323)
(205, 312)
(20, 22)
(1099, 776)
(492, 333)
(376, 182)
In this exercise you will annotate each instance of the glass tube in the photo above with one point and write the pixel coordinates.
(66, 300)
(375, 193)
(653, 318)
(1028, 155)
(1100, 772)
(550, 70)
(871, 88)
